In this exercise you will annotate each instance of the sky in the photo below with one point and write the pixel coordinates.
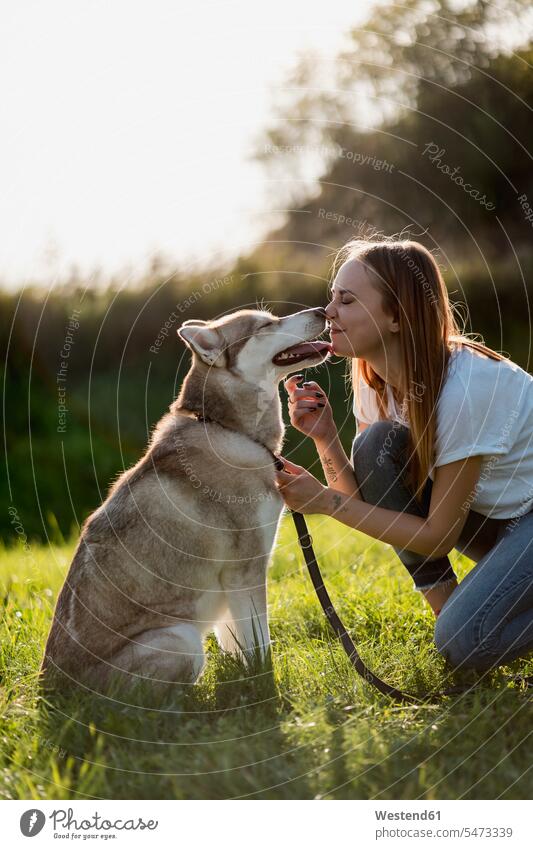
(128, 127)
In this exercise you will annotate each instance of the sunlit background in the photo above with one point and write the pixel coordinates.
(130, 128)
(162, 161)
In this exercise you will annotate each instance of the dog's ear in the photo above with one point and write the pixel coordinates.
(193, 321)
(206, 342)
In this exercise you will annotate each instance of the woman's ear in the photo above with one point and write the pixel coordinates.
(394, 324)
(206, 342)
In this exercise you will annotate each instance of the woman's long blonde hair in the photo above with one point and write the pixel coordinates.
(413, 290)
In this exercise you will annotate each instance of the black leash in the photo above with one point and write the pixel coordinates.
(306, 544)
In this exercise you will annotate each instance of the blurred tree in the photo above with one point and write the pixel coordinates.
(444, 149)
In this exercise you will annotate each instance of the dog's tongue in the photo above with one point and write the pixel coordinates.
(310, 348)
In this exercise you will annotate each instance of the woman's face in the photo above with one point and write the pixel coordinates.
(358, 325)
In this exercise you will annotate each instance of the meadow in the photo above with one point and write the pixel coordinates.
(304, 726)
(91, 361)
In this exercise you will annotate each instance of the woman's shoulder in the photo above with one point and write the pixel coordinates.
(475, 374)
(483, 405)
(465, 360)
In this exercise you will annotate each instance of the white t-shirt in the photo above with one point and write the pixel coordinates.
(485, 407)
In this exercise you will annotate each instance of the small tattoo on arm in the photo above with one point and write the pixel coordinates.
(337, 501)
(331, 474)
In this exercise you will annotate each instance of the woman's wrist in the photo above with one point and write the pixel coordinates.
(329, 501)
(323, 443)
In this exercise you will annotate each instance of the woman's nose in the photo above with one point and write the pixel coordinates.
(330, 310)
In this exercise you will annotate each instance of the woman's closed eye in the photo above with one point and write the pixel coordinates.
(342, 297)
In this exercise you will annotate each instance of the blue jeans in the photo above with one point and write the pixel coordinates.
(488, 618)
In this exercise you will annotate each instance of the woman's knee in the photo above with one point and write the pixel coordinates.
(480, 626)
(380, 437)
(382, 443)
(377, 460)
(456, 641)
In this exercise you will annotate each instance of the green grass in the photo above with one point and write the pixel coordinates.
(308, 727)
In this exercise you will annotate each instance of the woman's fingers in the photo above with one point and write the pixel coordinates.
(291, 467)
(310, 389)
(307, 404)
(292, 382)
(307, 399)
(302, 407)
(307, 393)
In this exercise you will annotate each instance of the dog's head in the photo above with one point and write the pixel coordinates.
(256, 346)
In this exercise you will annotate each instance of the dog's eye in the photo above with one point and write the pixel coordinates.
(268, 324)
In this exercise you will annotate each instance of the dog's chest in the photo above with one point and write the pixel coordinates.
(243, 521)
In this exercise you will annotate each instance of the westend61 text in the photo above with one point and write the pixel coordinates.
(407, 815)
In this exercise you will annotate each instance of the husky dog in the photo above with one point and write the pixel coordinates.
(181, 544)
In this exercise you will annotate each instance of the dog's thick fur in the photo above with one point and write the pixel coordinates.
(180, 546)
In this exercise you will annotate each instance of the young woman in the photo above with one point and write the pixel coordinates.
(443, 456)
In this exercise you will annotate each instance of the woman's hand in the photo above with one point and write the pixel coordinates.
(309, 409)
(299, 489)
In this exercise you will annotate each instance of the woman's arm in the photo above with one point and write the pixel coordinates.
(433, 536)
(310, 413)
(338, 469)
